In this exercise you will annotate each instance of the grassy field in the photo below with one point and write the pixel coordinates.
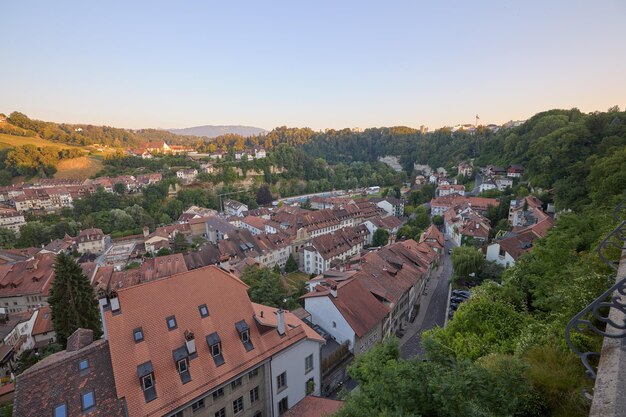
(294, 279)
(78, 168)
(10, 140)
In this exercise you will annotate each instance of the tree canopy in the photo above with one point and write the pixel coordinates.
(72, 300)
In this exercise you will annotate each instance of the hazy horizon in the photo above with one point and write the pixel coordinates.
(322, 65)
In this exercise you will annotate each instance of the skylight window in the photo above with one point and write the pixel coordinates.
(60, 410)
(88, 400)
(204, 310)
(171, 322)
(138, 335)
(83, 364)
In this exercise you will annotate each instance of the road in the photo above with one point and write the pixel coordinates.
(433, 308)
(477, 181)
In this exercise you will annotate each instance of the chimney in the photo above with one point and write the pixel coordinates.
(190, 342)
(146, 231)
(79, 339)
(115, 302)
(333, 290)
(280, 318)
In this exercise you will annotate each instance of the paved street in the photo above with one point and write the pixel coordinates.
(433, 309)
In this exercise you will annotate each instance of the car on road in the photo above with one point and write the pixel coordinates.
(449, 251)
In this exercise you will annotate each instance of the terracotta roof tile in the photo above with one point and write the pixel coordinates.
(147, 305)
(314, 407)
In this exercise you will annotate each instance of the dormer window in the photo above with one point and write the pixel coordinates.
(216, 349)
(183, 366)
(147, 382)
(145, 372)
(215, 346)
(181, 358)
(244, 334)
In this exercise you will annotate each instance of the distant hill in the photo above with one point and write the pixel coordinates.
(210, 131)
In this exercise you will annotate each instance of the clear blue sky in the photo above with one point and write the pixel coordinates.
(309, 63)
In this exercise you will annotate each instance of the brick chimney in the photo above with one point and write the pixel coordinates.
(79, 339)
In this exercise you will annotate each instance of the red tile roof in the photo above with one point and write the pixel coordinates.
(355, 303)
(56, 379)
(147, 305)
(43, 322)
(34, 276)
(314, 407)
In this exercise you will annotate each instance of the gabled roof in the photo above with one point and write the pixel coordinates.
(147, 305)
(433, 234)
(356, 304)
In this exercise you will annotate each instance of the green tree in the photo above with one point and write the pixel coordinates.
(291, 265)
(390, 387)
(119, 188)
(380, 238)
(72, 300)
(7, 238)
(466, 260)
(265, 286)
(438, 220)
(163, 252)
(307, 204)
(34, 233)
(180, 244)
(264, 195)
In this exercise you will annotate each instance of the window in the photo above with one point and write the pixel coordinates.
(218, 393)
(171, 322)
(83, 364)
(214, 342)
(197, 405)
(283, 405)
(253, 373)
(238, 405)
(308, 364)
(281, 381)
(236, 383)
(182, 366)
(221, 413)
(254, 394)
(88, 400)
(147, 382)
(179, 414)
(204, 310)
(60, 410)
(245, 336)
(334, 324)
(138, 334)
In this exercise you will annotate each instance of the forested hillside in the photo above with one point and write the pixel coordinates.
(81, 134)
(504, 352)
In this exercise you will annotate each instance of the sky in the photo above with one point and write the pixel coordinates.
(318, 64)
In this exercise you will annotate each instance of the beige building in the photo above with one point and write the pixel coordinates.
(91, 241)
